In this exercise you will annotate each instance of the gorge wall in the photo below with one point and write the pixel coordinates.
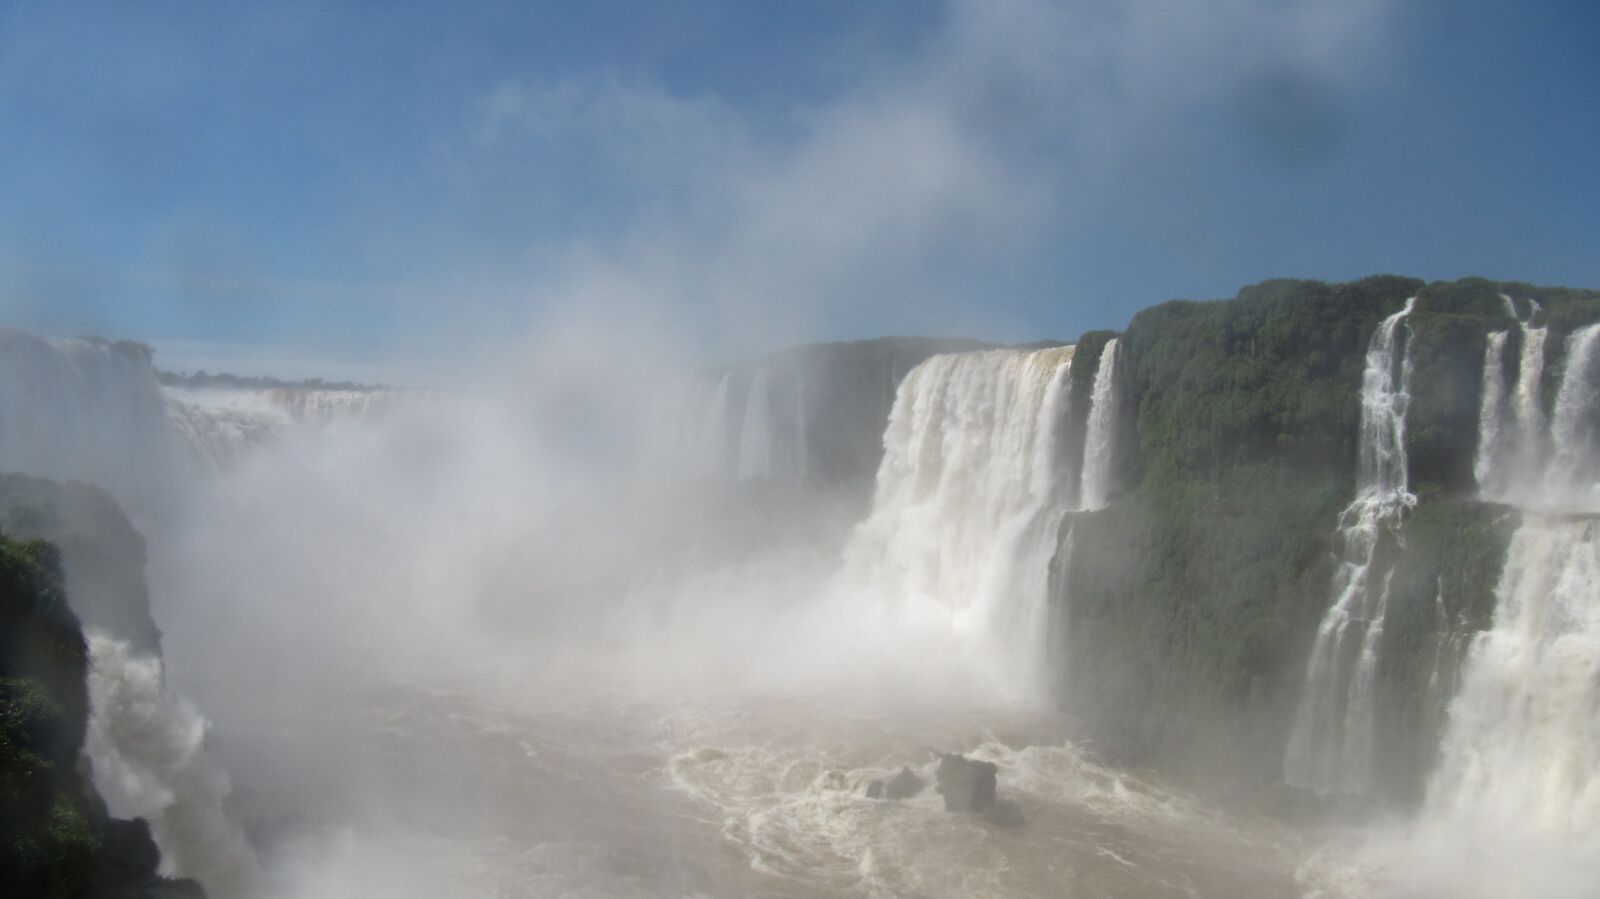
(1340, 536)
(57, 837)
(1298, 566)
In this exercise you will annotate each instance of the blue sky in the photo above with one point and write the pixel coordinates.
(331, 181)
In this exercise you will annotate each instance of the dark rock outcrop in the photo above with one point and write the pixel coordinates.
(902, 786)
(102, 555)
(1192, 600)
(129, 862)
(55, 836)
(966, 785)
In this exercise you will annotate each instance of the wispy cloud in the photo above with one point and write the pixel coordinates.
(877, 205)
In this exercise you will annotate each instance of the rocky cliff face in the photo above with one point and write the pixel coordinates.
(55, 836)
(102, 555)
(1185, 611)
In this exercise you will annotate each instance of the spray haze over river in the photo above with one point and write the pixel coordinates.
(459, 643)
(490, 478)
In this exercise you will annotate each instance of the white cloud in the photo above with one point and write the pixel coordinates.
(1012, 116)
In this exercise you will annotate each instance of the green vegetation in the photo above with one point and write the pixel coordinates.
(102, 555)
(56, 839)
(1441, 593)
(48, 843)
(1188, 611)
(1080, 387)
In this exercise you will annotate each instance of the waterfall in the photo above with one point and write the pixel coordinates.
(1537, 465)
(302, 405)
(216, 436)
(689, 426)
(1486, 464)
(755, 432)
(1571, 480)
(1528, 411)
(1522, 740)
(1507, 463)
(147, 749)
(220, 426)
(88, 410)
(1099, 445)
(967, 505)
(1330, 746)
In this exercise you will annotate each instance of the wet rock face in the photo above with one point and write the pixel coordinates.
(128, 869)
(966, 785)
(902, 786)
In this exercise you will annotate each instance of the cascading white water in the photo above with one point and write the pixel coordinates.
(311, 405)
(1571, 478)
(1522, 740)
(967, 505)
(1527, 409)
(689, 426)
(218, 436)
(219, 426)
(148, 754)
(1486, 464)
(85, 409)
(1508, 463)
(1099, 444)
(1330, 746)
(755, 431)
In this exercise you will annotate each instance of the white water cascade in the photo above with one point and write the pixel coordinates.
(1523, 738)
(756, 444)
(1522, 741)
(1330, 746)
(85, 409)
(967, 506)
(1491, 415)
(1099, 445)
(1513, 439)
(1571, 479)
(220, 426)
(689, 426)
(148, 753)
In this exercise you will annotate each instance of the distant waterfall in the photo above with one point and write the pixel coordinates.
(1330, 747)
(1528, 407)
(1491, 415)
(217, 437)
(220, 426)
(968, 503)
(1522, 741)
(755, 432)
(1572, 479)
(88, 410)
(1538, 464)
(1099, 445)
(1509, 459)
(148, 754)
(689, 426)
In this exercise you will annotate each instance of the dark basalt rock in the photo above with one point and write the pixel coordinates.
(55, 836)
(902, 786)
(102, 555)
(1004, 813)
(967, 785)
(130, 850)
